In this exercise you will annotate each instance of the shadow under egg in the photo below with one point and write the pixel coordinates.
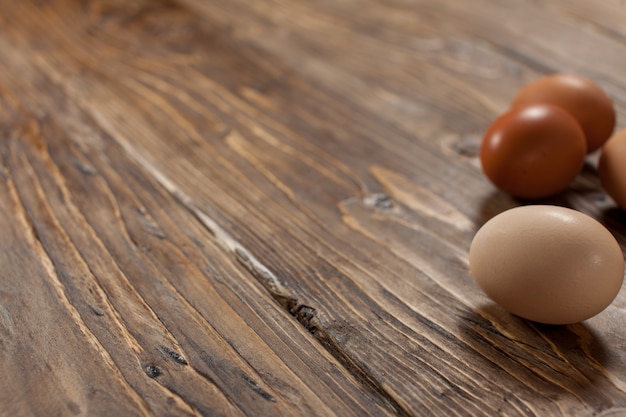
(569, 357)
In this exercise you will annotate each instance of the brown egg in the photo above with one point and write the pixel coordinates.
(547, 264)
(612, 168)
(580, 97)
(533, 151)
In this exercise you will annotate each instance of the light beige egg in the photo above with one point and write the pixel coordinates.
(547, 264)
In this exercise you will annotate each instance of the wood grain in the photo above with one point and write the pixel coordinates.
(264, 208)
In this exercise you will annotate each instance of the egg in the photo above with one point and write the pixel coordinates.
(612, 168)
(547, 264)
(533, 151)
(582, 98)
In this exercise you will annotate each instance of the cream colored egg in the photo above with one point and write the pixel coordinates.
(547, 263)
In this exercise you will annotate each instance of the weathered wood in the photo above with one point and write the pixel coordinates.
(171, 166)
(118, 301)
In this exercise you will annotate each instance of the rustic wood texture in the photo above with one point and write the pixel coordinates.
(264, 208)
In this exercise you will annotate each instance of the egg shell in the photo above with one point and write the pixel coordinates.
(547, 264)
(585, 100)
(533, 151)
(612, 168)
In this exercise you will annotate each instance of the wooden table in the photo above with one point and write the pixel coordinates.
(264, 208)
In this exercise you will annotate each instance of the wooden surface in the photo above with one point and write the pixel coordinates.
(264, 208)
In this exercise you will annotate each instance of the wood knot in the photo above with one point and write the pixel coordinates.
(304, 314)
(380, 201)
(258, 390)
(467, 146)
(153, 371)
(176, 357)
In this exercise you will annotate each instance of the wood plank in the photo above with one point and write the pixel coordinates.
(131, 307)
(346, 168)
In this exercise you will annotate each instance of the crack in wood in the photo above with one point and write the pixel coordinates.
(264, 276)
(97, 311)
(152, 371)
(257, 389)
(177, 357)
(150, 224)
(306, 315)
